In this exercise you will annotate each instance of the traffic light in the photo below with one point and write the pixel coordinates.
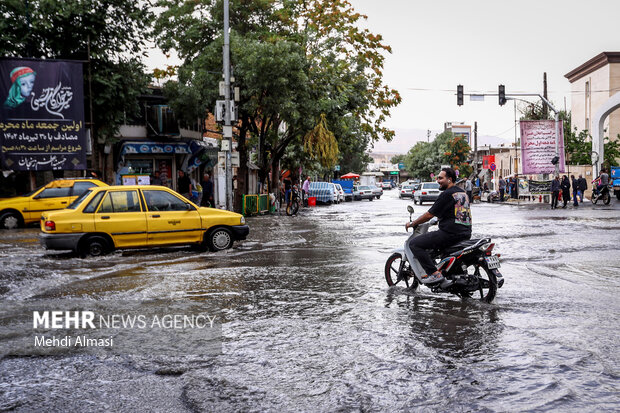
(502, 95)
(555, 160)
(459, 95)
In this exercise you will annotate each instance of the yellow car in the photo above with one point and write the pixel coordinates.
(106, 218)
(26, 209)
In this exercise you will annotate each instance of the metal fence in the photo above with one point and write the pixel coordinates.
(255, 204)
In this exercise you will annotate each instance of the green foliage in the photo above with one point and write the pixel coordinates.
(62, 29)
(398, 158)
(612, 152)
(293, 60)
(425, 158)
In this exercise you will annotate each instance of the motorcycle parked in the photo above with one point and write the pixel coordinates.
(293, 203)
(469, 267)
(604, 194)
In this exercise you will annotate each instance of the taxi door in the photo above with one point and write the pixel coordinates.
(49, 199)
(121, 216)
(170, 220)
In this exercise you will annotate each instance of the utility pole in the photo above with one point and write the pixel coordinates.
(476, 148)
(545, 109)
(227, 135)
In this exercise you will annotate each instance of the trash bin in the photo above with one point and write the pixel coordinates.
(311, 201)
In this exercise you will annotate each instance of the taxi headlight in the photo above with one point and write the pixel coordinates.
(242, 220)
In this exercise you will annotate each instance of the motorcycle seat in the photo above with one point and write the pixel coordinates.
(463, 246)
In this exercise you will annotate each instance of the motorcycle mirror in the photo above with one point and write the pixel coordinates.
(410, 209)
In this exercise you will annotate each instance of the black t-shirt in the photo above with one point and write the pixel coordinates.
(452, 209)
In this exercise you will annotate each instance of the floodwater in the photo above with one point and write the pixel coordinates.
(309, 323)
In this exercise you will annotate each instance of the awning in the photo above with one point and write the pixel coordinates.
(350, 175)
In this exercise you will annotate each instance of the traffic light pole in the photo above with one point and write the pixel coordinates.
(505, 96)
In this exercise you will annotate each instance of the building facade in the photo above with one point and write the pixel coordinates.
(592, 84)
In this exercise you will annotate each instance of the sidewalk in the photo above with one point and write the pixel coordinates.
(586, 204)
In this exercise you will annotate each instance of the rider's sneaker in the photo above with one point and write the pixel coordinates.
(433, 278)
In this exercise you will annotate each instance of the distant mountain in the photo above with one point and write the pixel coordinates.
(406, 138)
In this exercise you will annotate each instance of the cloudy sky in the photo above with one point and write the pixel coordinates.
(481, 44)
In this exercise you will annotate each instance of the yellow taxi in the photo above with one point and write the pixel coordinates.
(26, 209)
(139, 216)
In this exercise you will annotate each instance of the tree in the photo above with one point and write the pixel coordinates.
(398, 159)
(293, 61)
(116, 32)
(426, 158)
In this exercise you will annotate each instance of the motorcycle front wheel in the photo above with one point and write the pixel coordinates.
(392, 267)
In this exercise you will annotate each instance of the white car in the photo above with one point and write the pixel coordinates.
(340, 191)
(363, 192)
(406, 192)
(428, 192)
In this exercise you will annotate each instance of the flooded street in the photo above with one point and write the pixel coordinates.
(309, 323)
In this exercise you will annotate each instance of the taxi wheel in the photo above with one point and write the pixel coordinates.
(95, 247)
(220, 239)
(10, 220)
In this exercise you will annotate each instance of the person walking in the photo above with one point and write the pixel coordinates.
(156, 180)
(469, 189)
(582, 185)
(502, 188)
(184, 185)
(565, 185)
(555, 191)
(207, 191)
(305, 188)
(575, 184)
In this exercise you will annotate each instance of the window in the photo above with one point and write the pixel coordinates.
(120, 201)
(80, 187)
(163, 201)
(431, 186)
(54, 192)
(92, 205)
(77, 201)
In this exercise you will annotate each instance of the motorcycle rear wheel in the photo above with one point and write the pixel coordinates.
(487, 287)
(606, 198)
(292, 208)
(392, 265)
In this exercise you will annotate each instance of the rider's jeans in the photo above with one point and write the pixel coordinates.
(432, 241)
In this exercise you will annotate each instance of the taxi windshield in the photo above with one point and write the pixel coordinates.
(79, 200)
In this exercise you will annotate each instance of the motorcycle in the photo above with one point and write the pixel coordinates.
(604, 194)
(469, 267)
(293, 203)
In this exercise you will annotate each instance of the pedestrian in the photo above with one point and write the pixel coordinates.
(582, 185)
(184, 185)
(575, 185)
(565, 185)
(305, 187)
(469, 189)
(502, 188)
(288, 185)
(207, 191)
(156, 180)
(555, 191)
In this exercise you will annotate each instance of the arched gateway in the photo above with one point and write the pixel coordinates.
(598, 146)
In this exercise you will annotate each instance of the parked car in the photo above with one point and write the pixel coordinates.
(386, 185)
(363, 192)
(137, 216)
(324, 192)
(428, 192)
(339, 192)
(26, 209)
(406, 192)
(377, 191)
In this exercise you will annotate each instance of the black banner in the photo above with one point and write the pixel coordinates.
(539, 187)
(41, 115)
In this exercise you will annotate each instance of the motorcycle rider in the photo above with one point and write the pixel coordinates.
(602, 179)
(452, 210)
